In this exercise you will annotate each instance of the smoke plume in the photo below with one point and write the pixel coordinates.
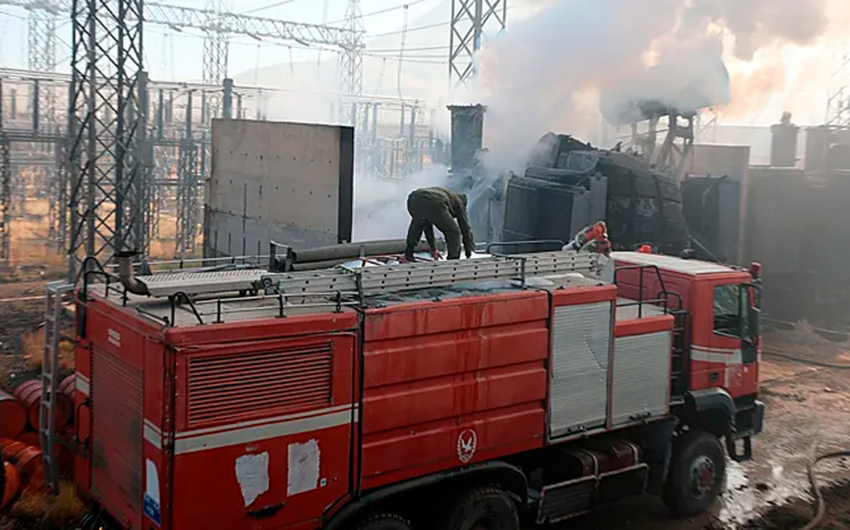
(544, 72)
(549, 70)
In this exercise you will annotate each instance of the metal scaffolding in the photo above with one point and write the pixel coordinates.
(675, 151)
(106, 129)
(469, 19)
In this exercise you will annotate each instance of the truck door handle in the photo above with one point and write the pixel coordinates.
(266, 511)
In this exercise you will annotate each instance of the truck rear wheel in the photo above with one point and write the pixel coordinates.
(696, 474)
(383, 521)
(483, 509)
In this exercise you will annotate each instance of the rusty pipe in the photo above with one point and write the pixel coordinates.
(127, 276)
(348, 251)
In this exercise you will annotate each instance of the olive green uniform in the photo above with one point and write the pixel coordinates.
(430, 207)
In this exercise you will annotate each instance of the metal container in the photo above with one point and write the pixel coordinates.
(29, 396)
(11, 485)
(467, 135)
(67, 388)
(64, 454)
(537, 209)
(29, 438)
(818, 141)
(27, 461)
(13, 418)
(783, 145)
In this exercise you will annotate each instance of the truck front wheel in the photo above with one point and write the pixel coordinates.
(383, 521)
(482, 509)
(696, 474)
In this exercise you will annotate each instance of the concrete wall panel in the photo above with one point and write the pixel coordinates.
(287, 182)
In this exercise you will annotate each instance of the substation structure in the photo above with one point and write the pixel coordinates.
(107, 146)
(35, 144)
(394, 138)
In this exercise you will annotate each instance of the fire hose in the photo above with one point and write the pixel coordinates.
(821, 506)
(810, 362)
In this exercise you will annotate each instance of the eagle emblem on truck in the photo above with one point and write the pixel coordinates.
(467, 442)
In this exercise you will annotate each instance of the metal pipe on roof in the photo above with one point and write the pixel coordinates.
(355, 250)
(126, 274)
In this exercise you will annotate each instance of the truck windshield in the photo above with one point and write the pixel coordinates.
(730, 310)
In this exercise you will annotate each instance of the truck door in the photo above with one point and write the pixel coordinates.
(731, 353)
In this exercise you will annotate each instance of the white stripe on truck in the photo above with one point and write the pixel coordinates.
(258, 430)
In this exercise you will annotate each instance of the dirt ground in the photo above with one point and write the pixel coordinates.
(808, 413)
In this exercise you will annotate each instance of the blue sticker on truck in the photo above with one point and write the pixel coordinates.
(152, 508)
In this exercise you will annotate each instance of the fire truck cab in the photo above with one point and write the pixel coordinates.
(453, 395)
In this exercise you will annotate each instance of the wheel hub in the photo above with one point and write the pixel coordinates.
(703, 476)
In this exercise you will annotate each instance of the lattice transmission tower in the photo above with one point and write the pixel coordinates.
(5, 189)
(216, 50)
(351, 70)
(41, 51)
(41, 33)
(838, 98)
(469, 20)
(106, 129)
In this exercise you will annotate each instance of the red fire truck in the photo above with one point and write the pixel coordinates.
(477, 393)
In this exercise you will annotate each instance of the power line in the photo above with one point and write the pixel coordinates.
(414, 56)
(396, 50)
(11, 15)
(270, 6)
(382, 11)
(408, 60)
(419, 28)
(424, 59)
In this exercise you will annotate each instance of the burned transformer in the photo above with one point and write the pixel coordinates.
(569, 184)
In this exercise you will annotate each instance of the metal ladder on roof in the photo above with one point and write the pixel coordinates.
(369, 281)
(56, 292)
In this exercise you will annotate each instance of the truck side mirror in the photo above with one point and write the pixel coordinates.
(754, 319)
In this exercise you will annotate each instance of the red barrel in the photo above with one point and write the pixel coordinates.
(13, 418)
(65, 456)
(67, 388)
(12, 485)
(27, 460)
(30, 438)
(11, 447)
(29, 396)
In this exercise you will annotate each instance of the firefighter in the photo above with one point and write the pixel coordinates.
(430, 207)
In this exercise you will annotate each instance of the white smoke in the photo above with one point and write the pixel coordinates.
(687, 83)
(547, 71)
(380, 204)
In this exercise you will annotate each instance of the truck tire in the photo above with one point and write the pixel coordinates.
(696, 475)
(482, 509)
(384, 521)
